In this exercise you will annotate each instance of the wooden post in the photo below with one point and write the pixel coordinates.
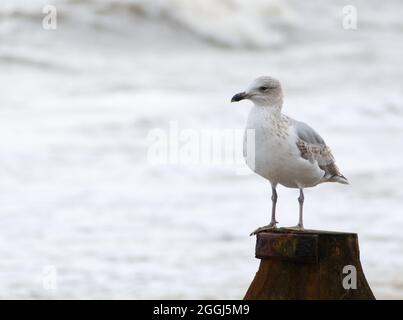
(308, 264)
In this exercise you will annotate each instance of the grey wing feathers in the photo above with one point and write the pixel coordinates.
(314, 148)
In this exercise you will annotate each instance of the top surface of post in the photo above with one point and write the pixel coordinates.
(295, 245)
(308, 231)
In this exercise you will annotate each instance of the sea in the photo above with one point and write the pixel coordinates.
(85, 210)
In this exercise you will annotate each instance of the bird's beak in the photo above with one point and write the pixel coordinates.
(239, 96)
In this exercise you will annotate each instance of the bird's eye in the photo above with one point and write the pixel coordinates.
(263, 88)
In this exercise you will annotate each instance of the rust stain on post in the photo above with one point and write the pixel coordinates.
(290, 247)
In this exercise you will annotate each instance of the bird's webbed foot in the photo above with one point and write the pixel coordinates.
(298, 227)
(270, 226)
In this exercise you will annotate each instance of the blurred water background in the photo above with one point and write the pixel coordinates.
(77, 194)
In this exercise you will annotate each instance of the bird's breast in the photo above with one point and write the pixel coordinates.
(271, 143)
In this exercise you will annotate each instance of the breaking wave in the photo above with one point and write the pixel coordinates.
(232, 23)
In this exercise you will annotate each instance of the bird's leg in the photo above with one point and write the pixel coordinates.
(273, 221)
(273, 206)
(301, 208)
(300, 225)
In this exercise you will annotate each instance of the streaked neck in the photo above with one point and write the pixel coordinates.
(273, 109)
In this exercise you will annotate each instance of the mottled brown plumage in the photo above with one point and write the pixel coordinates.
(322, 154)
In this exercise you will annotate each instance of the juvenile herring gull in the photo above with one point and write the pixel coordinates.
(287, 151)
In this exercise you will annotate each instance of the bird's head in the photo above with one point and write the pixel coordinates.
(264, 91)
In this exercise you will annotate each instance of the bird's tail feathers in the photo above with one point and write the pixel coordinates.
(340, 179)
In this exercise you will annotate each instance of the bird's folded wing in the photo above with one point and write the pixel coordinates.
(313, 148)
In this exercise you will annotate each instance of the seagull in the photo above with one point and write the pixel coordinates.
(286, 151)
